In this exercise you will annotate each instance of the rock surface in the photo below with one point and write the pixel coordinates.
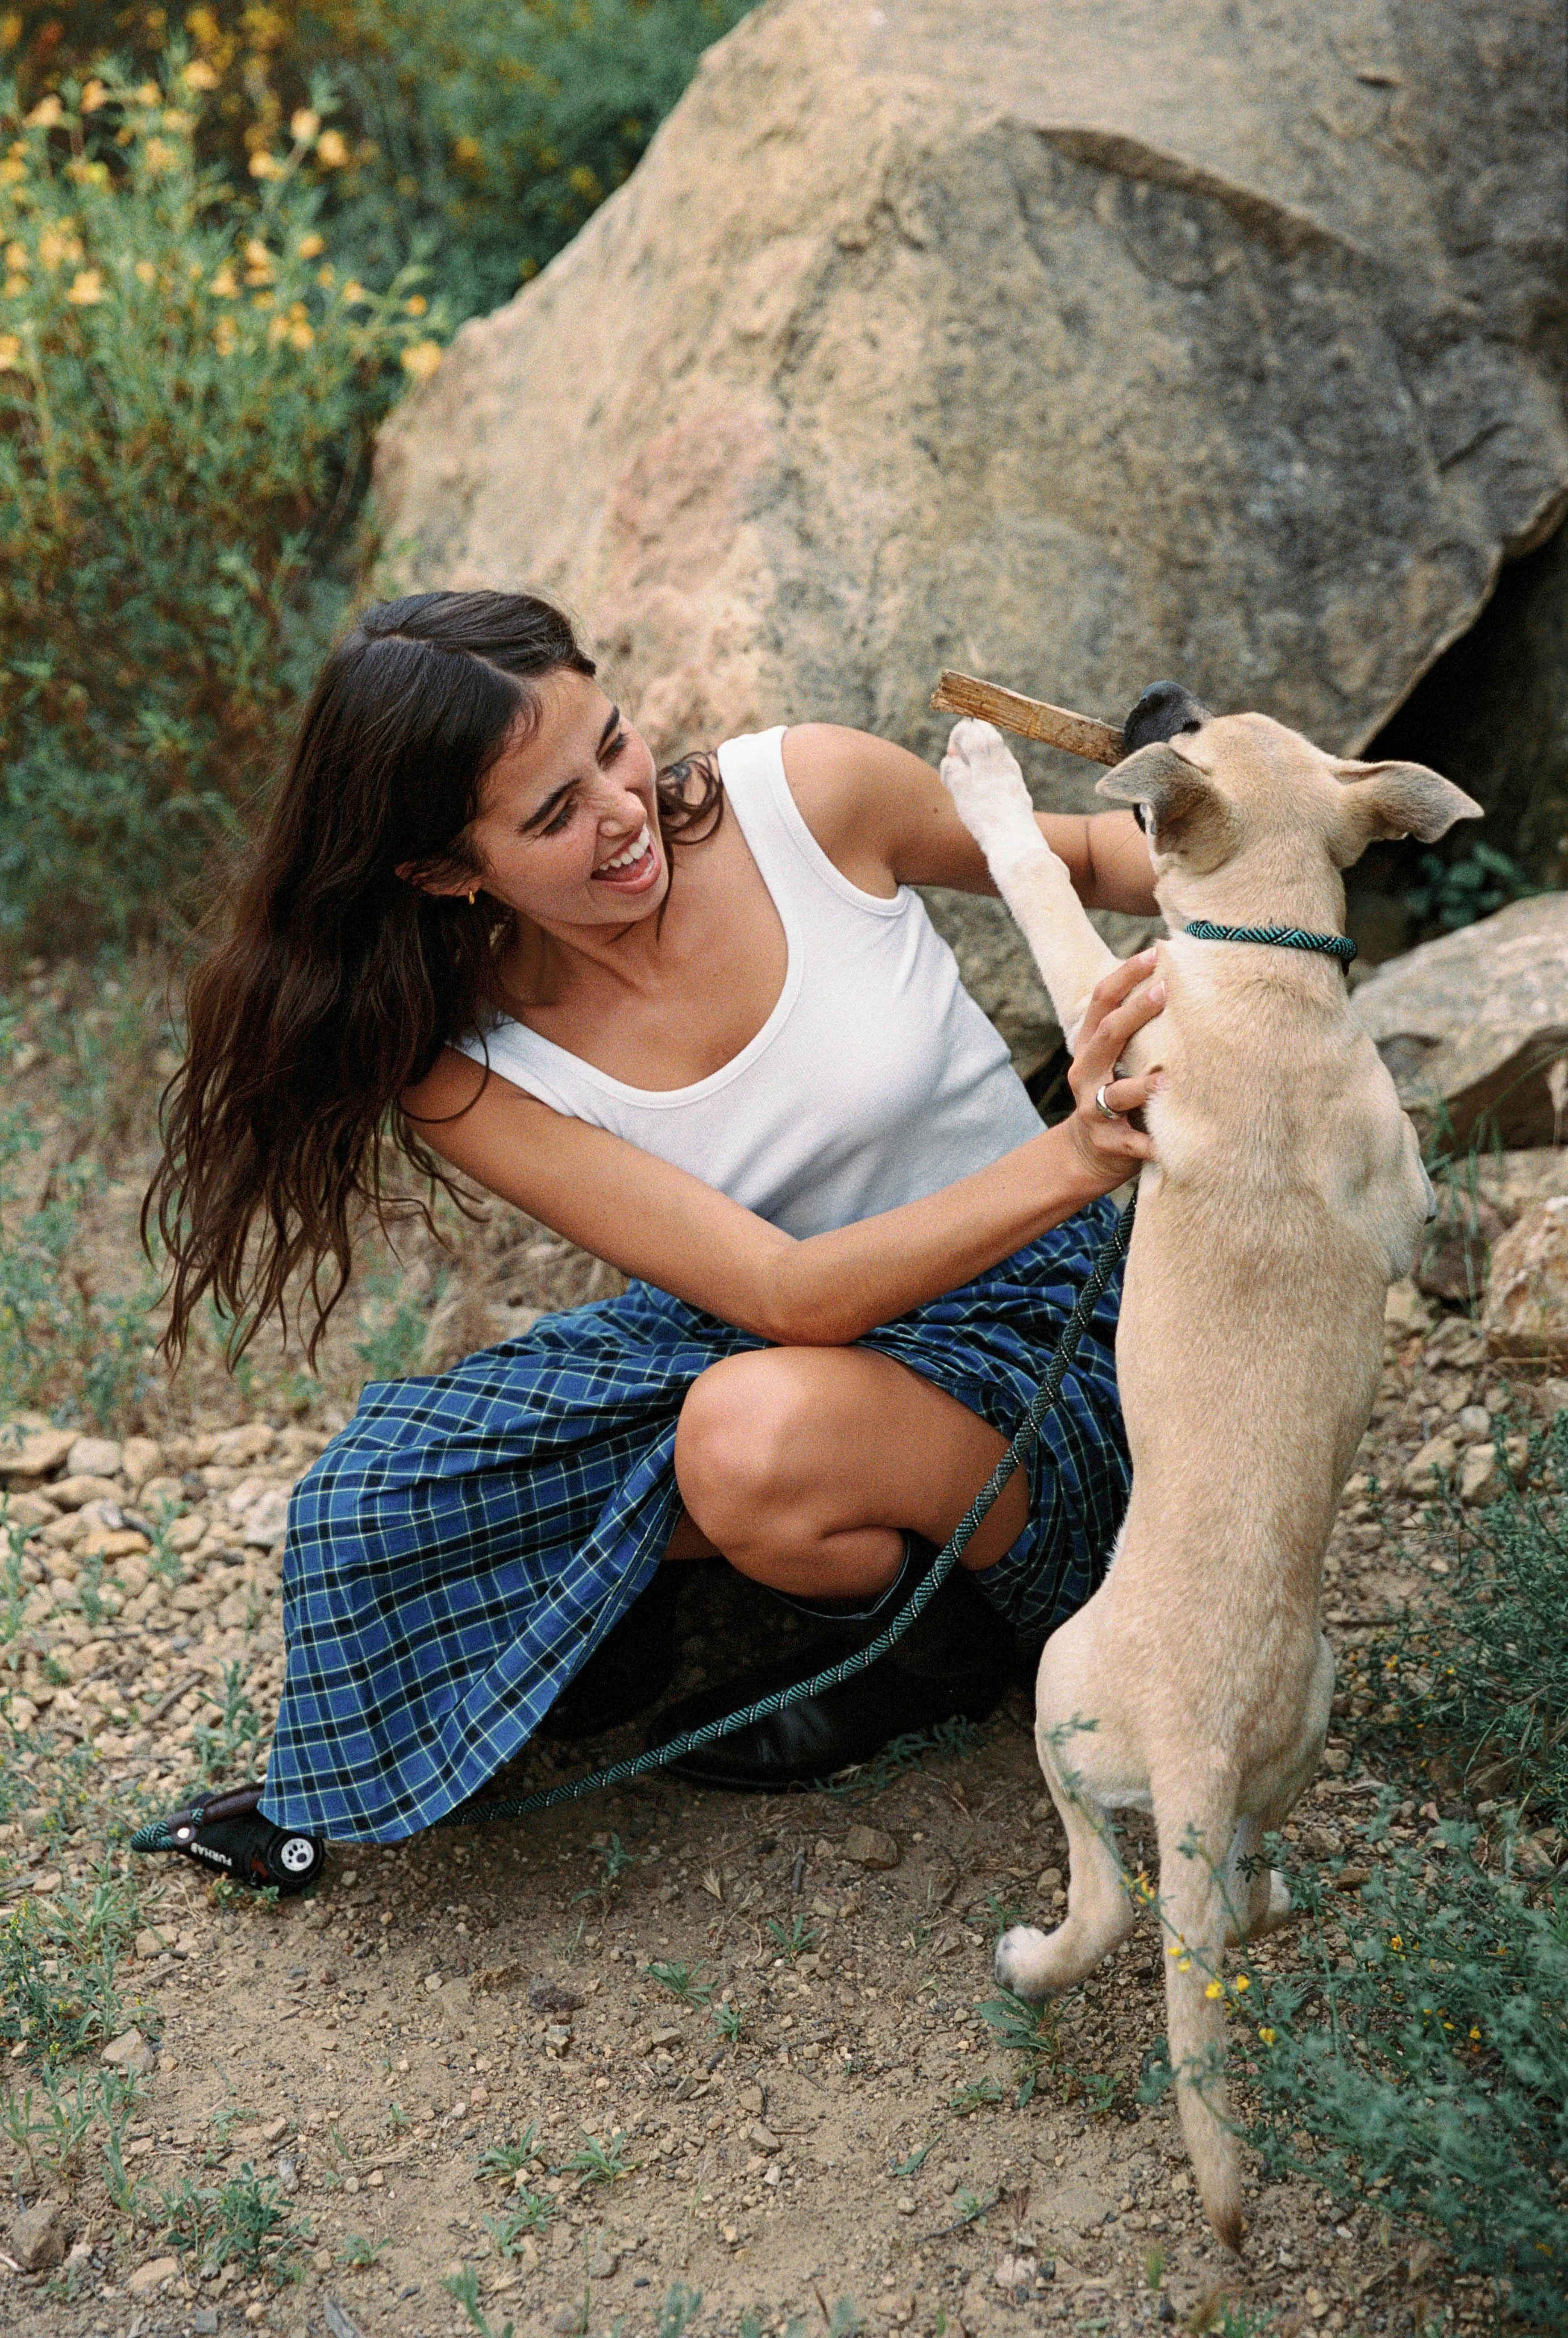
(1526, 1310)
(1072, 345)
(39, 2235)
(1474, 1026)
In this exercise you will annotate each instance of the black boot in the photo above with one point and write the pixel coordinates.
(631, 1667)
(955, 1662)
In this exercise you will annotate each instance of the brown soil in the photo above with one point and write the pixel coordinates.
(861, 2139)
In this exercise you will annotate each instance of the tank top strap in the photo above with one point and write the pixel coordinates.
(794, 867)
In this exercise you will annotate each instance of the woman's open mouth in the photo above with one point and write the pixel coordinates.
(636, 869)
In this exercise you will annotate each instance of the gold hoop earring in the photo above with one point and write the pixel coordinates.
(470, 901)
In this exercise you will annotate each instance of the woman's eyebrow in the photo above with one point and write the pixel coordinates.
(551, 800)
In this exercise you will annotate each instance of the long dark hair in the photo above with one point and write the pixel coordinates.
(336, 983)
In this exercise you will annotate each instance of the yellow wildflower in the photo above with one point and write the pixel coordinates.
(332, 149)
(58, 245)
(44, 114)
(1183, 1964)
(158, 153)
(1268, 2036)
(417, 305)
(1243, 1980)
(300, 334)
(10, 28)
(422, 360)
(277, 330)
(87, 289)
(303, 125)
(326, 276)
(10, 351)
(18, 256)
(352, 291)
(223, 284)
(465, 150)
(144, 272)
(265, 166)
(1395, 1942)
(223, 336)
(14, 285)
(1474, 2031)
(11, 171)
(1215, 1988)
(149, 93)
(198, 74)
(177, 120)
(93, 96)
(309, 245)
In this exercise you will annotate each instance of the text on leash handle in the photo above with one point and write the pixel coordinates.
(1031, 718)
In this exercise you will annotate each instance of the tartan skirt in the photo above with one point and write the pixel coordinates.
(461, 1548)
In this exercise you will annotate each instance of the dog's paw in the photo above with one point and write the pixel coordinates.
(1279, 1911)
(1023, 1961)
(981, 773)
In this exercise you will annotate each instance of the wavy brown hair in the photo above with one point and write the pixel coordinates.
(335, 983)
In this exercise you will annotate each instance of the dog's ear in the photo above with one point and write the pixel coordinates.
(1387, 799)
(1179, 807)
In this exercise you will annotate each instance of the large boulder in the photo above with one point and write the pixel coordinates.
(1474, 1026)
(1070, 344)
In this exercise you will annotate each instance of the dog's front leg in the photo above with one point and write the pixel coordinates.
(981, 774)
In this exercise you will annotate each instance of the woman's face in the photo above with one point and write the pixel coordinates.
(567, 832)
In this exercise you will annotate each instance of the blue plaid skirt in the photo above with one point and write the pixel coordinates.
(461, 1548)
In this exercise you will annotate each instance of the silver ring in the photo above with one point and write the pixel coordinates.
(1107, 1111)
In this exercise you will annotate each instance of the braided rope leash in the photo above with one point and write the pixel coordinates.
(1112, 1251)
(1297, 938)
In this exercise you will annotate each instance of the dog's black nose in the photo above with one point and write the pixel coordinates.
(1164, 709)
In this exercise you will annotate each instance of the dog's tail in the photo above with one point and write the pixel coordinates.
(1196, 1821)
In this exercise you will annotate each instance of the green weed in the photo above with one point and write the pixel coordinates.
(683, 1981)
(464, 2287)
(360, 2252)
(796, 1941)
(243, 2220)
(729, 2022)
(530, 2213)
(229, 1743)
(981, 2095)
(506, 2160)
(601, 2163)
(59, 1960)
(1029, 2031)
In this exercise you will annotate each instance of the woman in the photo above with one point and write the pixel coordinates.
(696, 1022)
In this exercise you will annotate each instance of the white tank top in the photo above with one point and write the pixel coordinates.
(876, 1079)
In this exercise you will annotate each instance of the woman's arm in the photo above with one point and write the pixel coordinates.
(885, 819)
(657, 1222)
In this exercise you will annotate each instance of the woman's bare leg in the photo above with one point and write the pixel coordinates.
(804, 1467)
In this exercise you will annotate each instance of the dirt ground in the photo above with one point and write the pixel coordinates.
(805, 2122)
(856, 2147)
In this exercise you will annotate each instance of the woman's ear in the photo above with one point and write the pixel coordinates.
(1389, 800)
(1180, 810)
(444, 884)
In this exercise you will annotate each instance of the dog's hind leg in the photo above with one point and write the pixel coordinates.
(1197, 1824)
(981, 774)
(1100, 1913)
(1257, 1896)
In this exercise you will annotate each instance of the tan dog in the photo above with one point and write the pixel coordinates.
(1289, 1192)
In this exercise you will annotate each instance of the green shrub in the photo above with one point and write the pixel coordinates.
(1419, 2062)
(1479, 1690)
(185, 388)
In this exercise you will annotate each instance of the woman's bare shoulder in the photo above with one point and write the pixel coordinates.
(861, 797)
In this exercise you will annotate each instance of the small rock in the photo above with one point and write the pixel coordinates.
(604, 2263)
(869, 1846)
(760, 2137)
(1423, 1470)
(751, 2099)
(152, 2275)
(1472, 1423)
(566, 2320)
(32, 1452)
(150, 1944)
(1405, 1311)
(275, 2130)
(266, 1520)
(39, 2235)
(1073, 2207)
(1551, 1399)
(94, 1457)
(204, 2322)
(140, 1457)
(1050, 1879)
(554, 1997)
(75, 1493)
(128, 2051)
(1526, 1310)
(1479, 1480)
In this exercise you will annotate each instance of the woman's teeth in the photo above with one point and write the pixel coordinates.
(634, 852)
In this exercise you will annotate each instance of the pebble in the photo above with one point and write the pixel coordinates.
(128, 2051)
(869, 1846)
(152, 2275)
(94, 1457)
(39, 2235)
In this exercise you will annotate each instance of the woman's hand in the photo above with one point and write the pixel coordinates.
(1122, 1002)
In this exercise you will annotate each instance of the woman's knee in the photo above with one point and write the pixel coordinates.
(740, 1424)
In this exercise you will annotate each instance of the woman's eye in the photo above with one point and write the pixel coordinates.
(615, 746)
(554, 827)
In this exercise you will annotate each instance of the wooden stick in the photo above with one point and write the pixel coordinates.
(1032, 718)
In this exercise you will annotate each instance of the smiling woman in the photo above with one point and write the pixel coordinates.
(762, 1091)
